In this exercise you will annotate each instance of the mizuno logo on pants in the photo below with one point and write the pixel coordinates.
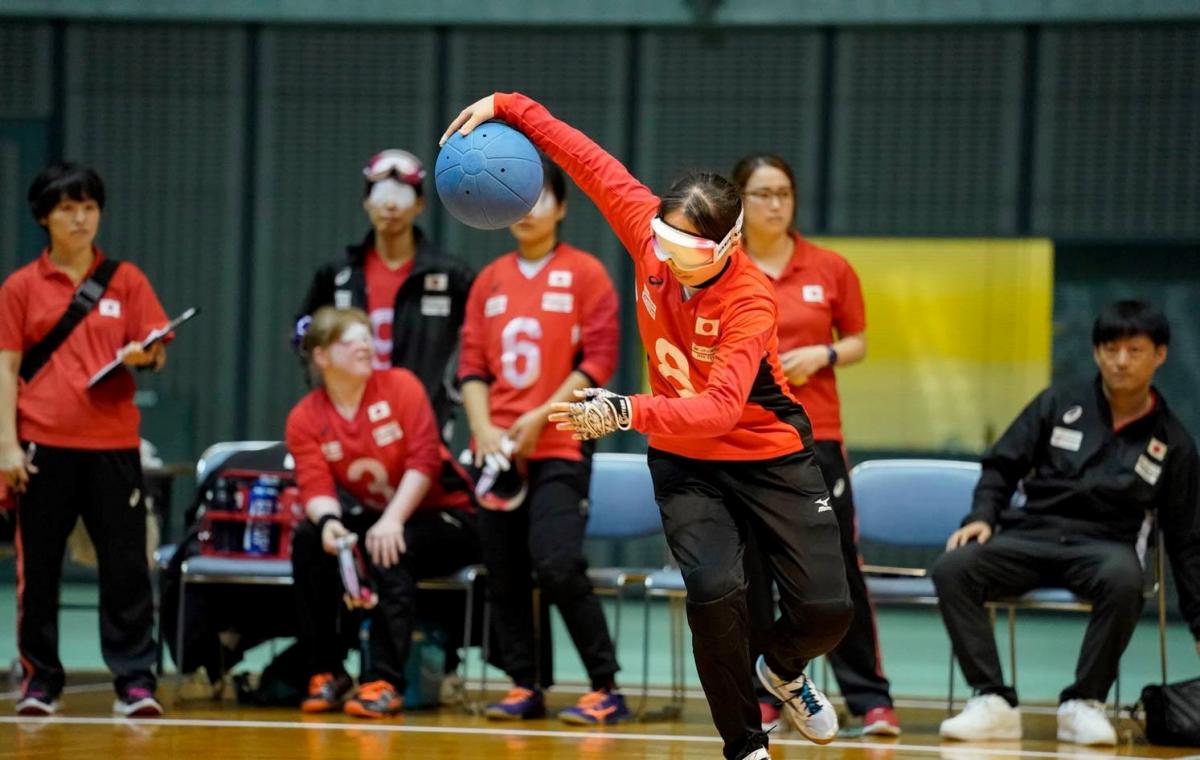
(823, 504)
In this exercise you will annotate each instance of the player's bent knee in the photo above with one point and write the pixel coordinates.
(715, 619)
(951, 569)
(709, 584)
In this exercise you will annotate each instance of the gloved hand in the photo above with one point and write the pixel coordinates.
(599, 413)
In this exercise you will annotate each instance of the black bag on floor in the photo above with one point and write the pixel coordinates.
(1173, 713)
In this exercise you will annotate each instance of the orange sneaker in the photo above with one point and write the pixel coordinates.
(377, 699)
(325, 692)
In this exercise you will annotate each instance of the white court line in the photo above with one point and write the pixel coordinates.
(565, 734)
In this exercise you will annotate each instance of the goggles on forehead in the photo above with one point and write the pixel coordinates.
(691, 251)
(400, 164)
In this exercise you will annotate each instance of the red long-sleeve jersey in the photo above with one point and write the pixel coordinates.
(393, 431)
(524, 335)
(719, 391)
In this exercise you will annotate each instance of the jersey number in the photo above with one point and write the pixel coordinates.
(377, 475)
(518, 348)
(673, 365)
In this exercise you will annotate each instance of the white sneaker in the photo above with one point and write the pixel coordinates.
(803, 703)
(1083, 721)
(37, 704)
(758, 754)
(988, 716)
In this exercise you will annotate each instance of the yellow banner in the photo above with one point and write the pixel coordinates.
(958, 340)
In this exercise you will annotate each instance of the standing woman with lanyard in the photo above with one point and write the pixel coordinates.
(822, 323)
(730, 448)
(69, 451)
(541, 324)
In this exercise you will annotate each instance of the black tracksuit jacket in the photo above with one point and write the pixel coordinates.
(1083, 480)
(430, 307)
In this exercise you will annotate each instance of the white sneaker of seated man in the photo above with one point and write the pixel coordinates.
(987, 716)
(804, 704)
(759, 754)
(1082, 721)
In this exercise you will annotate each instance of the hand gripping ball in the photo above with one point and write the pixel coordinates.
(490, 178)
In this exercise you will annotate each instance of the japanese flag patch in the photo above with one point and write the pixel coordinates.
(1157, 449)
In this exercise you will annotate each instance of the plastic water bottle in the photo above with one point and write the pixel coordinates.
(221, 498)
(264, 497)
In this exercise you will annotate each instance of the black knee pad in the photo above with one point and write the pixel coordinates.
(710, 584)
(715, 619)
(820, 624)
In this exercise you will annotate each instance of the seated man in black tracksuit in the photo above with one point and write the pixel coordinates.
(1091, 459)
(409, 288)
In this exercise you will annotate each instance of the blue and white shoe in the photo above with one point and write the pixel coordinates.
(805, 706)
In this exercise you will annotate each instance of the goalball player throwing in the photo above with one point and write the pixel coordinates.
(730, 447)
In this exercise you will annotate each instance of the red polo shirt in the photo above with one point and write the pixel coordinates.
(818, 293)
(56, 408)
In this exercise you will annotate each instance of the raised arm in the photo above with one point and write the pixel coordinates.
(626, 203)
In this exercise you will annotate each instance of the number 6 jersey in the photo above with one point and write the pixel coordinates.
(529, 324)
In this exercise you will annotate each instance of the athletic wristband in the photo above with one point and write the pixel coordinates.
(326, 518)
(833, 357)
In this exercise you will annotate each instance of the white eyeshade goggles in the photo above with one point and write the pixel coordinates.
(691, 251)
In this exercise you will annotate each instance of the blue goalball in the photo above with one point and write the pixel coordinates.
(490, 178)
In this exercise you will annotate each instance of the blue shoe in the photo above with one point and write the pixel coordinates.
(597, 708)
(519, 704)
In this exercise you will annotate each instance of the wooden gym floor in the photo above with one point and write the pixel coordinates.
(225, 731)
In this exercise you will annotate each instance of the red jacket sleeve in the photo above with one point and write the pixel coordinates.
(418, 423)
(715, 410)
(313, 474)
(601, 326)
(850, 314)
(472, 357)
(626, 203)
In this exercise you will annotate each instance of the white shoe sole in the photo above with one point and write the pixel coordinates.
(993, 735)
(881, 729)
(143, 708)
(1069, 737)
(32, 708)
(760, 671)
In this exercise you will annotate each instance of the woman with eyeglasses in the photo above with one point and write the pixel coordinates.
(370, 434)
(822, 323)
(730, 447)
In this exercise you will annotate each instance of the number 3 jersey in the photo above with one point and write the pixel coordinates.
(719, 389)
(525, 333)
(392, 432)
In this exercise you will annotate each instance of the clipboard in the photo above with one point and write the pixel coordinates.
(154, 337)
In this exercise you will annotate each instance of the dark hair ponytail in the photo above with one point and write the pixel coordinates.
(709, 201)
